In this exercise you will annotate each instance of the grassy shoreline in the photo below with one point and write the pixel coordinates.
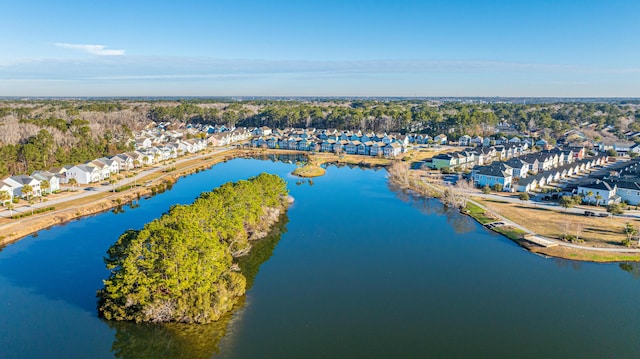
(518, 236)
(309, 171)
(588, 254)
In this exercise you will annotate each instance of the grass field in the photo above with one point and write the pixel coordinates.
(595, 231)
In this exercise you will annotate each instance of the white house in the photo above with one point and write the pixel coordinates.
(629, 192)
(6, 188)
(464, 140)
(440, 139)
(17, 182)
(124, 161)
(393, 149)
(53, 179)
(606, 191)
(477, 141)
(520, 167)
(105, 171)
(84, 174)
(114, 167)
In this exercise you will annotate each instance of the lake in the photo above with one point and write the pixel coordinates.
(354, 270)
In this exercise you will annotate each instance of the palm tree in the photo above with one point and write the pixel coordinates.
(73, 182)
(113, 184)
(45, 186)
(590, 196)
(10, 206)
(28, 190)
(155, 157)
(598, 197)
(145, 159)
(4, 197)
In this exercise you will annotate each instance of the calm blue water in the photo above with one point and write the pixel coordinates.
(361, 272)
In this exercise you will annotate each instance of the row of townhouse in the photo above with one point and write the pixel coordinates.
(216, 135)
(356, 147)
(477, 156)
(96, 170)
(348, 135)
(226, 138)
(155, 137)
(103, 168)
(621, 183)
(420, 139)
(350, 142)
(525, 174)
(13, 185)
(621, 147)
(467, 140)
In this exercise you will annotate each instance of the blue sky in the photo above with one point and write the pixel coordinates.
(325, 48)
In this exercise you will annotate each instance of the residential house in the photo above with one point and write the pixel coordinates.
(53, 179)
(84, 174)
(393, 149)
(629, 192)
(476, 141)
(520, 167)
(464, 140)
(4, 187)
(124, 161)
(443, 160)
(604, 189)
(526, 184)
(17, 183)
(440, 139)
(494, 174)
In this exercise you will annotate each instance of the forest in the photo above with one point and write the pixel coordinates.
(185, 266)
(38, 134)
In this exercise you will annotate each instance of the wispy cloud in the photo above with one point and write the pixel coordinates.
(105, 68)
(185, 75)
(100, 50)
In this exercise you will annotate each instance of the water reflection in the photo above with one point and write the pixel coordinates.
(566, 263)
(632, 267)
(175, 340)
(432, 206)
(299, 159)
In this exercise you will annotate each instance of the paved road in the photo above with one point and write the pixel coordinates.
(98, 188)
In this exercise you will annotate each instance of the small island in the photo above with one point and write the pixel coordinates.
(183, 266)
(309, 171)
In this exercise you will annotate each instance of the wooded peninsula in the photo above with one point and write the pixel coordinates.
(183, 267)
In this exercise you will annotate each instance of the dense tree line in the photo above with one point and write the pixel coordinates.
(109, 123)
(42, 134)
(454, 118)
(179, 268)
(41, 151)
(177, 340)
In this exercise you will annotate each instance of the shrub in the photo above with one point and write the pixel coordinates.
(615, 208)
(35, 211)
